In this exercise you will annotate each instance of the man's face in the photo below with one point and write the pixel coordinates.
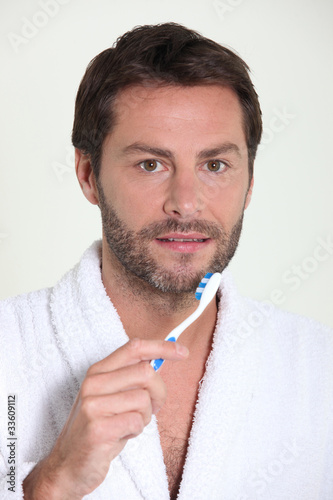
(174, 183)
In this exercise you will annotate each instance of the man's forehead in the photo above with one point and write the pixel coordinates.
(135, 96)
(206, 103)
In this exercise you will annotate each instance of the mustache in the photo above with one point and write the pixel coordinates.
(210, 229)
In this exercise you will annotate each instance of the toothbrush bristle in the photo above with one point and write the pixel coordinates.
(202, 285)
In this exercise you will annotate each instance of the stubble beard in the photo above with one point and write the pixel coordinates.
(132, 250)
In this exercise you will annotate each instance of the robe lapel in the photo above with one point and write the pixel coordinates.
(143, 458)
(223, 402)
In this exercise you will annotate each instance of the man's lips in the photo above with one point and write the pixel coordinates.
(183, 237)
(184, 243)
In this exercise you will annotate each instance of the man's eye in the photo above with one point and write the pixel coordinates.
(151, 165)
(215, 165)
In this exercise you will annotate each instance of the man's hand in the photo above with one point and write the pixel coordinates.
(115, 402)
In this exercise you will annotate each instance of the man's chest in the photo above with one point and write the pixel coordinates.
(174, 424)
(174, 428)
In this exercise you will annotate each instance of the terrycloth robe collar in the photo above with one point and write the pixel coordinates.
(88, 329)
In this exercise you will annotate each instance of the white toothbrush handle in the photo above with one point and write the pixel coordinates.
(174, 334)
(187, 322)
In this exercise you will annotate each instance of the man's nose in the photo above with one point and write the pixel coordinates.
(184, 197)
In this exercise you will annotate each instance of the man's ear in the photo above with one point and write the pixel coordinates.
(86, 176)
(249, 193)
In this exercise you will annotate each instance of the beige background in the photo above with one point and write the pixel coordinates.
(45, 221)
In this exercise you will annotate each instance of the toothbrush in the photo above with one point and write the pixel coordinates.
(205, 293)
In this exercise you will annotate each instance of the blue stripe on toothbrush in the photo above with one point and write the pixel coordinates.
(158, 362)
(202, 285)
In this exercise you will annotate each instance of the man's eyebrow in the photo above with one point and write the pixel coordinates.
(139, 147)
(226, 147)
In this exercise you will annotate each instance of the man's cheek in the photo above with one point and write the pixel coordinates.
(210, 192)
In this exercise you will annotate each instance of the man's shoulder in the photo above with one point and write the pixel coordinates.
(253, 315)
(19, 313)
(288, 321)
(288, 332)
(18, 303)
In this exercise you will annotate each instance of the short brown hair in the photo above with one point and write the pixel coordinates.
(163, 54)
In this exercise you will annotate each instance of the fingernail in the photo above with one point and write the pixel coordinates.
(182, 350)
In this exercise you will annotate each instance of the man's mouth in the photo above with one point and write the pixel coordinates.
(181, 239)
(183, 243)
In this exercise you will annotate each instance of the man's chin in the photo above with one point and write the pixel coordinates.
(180, 281)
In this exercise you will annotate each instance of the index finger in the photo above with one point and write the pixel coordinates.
(137, 350)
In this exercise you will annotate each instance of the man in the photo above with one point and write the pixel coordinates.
(166, 128)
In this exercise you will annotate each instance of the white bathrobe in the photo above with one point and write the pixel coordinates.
(263, 423)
